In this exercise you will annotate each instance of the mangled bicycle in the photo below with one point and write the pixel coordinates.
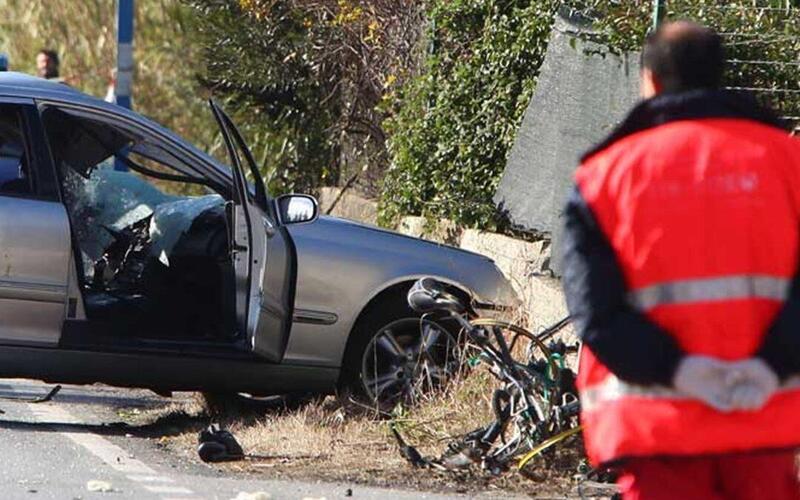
(534, 404)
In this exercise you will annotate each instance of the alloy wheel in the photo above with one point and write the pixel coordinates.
(407, 359)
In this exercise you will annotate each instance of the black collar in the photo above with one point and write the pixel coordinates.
(691, 105)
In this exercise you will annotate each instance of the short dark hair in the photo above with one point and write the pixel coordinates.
(684, 55)
(51, 54)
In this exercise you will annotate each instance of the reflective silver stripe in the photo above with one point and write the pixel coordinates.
(613, 389)
(709, 290)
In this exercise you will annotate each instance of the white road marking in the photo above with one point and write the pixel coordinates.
(150, 479)
(173, 490)
(114, 456)
(111, 454)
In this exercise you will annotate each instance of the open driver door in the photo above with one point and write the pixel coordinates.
(262, 314)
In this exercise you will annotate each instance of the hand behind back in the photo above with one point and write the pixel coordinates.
(744, 385)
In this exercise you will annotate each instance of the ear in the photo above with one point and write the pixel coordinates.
(649, 85)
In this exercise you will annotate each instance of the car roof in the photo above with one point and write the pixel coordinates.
(14, 84)
(22, 85)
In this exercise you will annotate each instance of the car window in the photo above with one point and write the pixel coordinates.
(82, 144)
(164, 170)
(155, 193)
(150, 235)
(15, 176)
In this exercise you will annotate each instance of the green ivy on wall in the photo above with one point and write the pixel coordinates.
(455, 123)
(453, 126)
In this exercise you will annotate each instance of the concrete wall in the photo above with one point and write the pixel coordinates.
(349, 206)
(526, 265)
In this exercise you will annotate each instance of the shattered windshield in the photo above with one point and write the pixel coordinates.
(109, 201)
(154, 196)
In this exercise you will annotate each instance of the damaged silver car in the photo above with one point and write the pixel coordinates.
(129, 257)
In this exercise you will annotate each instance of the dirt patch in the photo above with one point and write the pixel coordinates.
(333, 439)
(337, 439)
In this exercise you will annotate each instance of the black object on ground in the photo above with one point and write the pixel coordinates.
(409, 452)
(47, 397)
(41, 399)
(215, 444)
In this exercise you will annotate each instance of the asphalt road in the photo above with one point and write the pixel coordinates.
(54, 450)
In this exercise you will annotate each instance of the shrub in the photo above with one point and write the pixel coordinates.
(456, 122)
(305, 78)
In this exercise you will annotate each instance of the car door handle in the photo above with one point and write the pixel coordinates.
(268, 227)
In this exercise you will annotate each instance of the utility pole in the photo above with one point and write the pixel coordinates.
(658, 13)
(124, 52)
(122, 85)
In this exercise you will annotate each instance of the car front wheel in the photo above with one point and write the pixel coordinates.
(399, 357)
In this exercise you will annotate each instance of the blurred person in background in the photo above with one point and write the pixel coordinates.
(47, 64)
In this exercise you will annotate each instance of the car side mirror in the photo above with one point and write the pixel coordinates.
(297, 208)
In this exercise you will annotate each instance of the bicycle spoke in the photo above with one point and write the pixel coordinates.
(439, 373)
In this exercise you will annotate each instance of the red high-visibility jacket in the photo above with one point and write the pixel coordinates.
(683, 237)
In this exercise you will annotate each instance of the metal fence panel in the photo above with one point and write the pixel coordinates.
(581, 95)
(762, 39)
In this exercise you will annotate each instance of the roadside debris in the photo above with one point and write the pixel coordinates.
(99, 486)
(409, 452)
(594, 490)
(258, 495)
(218, 445)
(534, 402)
(41, 399)
(50, 395)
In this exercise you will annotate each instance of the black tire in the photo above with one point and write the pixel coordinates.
(391, 309)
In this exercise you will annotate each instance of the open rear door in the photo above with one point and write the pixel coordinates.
(250, 228)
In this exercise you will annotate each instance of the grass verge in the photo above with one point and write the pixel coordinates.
(337, 440)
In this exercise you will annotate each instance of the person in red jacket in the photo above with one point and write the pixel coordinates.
(680, 253)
